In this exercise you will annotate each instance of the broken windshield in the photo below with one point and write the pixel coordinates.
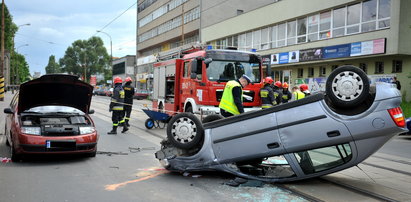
(229, 70)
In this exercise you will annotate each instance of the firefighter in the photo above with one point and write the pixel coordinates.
(128, 100)
(116, 105)
(267, 94)
(232, 100)
(286, 93)
(304, 89)
(278, 92)
(297, 94)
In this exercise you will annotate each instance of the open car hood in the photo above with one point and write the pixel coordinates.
(55, 89)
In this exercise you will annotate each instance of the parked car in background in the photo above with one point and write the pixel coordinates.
(50, 115)
(109, 92)
(141, 94)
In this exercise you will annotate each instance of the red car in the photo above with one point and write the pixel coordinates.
(51, 115)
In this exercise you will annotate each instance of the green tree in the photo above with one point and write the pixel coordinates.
(18, 62)
(85, 56)
(52, 66)
(10, 28)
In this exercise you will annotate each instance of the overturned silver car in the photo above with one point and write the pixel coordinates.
(318, 135)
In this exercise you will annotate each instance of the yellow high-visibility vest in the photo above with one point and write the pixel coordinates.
(298, 95)
(227, 100)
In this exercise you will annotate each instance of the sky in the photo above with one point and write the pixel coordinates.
(56, 24)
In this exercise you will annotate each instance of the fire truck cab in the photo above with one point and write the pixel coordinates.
(195, 81)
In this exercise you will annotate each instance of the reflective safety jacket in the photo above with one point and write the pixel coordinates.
(129, 93)
(227, 100)
(267, 97)
(298, 95)
(117, 99)
(278, 95)
(286, 96)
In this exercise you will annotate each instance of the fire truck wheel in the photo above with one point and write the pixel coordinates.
(185, 131)
(212, 117)
(149, 124)
(347, 86)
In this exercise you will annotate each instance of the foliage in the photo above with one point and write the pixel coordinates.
(52, 66)
(88, 56)
(10, 28)
(18, 62)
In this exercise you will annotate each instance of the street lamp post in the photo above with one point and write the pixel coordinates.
(9, 70)
(111, 47)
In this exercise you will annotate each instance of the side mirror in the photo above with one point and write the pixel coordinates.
(8, 111)
(208, 61)
(91, 111)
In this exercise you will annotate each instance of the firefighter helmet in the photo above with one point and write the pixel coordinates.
(303, 87)
(117, 80)
(278, 84)
(285, 85)
(128, 79)
(268, 80)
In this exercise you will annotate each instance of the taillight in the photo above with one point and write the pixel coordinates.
(397, 116)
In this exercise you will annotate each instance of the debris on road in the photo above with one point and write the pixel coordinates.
(138, 149)
(111, 153)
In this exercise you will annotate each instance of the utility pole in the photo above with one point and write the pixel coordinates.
(2, 54)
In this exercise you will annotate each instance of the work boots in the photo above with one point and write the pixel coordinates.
(128, 125)
(113, 131)
(125, 128)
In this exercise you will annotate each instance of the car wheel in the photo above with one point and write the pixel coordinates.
(212, 117)
(185, 130)
(347, 86)
(14, 156)
(149, 124)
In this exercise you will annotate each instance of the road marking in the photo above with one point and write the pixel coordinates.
(113, 187)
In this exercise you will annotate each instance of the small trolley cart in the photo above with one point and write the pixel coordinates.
(156, 119)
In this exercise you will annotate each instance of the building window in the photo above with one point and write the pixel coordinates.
(311, 72)
(353, 18)
(281, 35)
(300, 73)
(274, 36)
(334, 67)
(396, 66)
(339, 22)
(384, 13)
(379, 67)
(363, 67)
(313, 27)
(291, 32)
(265, 38)
(256, 39)
(325, 25)
(369, 15)
(302, 30)
(323, 71)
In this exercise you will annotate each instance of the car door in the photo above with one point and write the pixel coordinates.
(245, 137)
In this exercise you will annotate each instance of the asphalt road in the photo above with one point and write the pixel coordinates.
(119, 172)
(125, 170)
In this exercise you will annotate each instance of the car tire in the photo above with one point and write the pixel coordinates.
(347, 86)
(149, 124)
(92, 154)
(185, 130)
(212, 117)
(14, 156)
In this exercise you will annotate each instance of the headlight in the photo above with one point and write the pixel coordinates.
(86, 130)
(31, 130)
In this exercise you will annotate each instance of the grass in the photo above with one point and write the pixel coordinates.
(406, 108)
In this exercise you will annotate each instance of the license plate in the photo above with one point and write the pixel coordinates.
(60, 144)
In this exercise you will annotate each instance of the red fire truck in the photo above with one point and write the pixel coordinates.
(195, 81)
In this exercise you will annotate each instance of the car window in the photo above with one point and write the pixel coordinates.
(317, 160)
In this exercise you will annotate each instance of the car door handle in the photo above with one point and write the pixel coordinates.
(273, 145)
(334, 133)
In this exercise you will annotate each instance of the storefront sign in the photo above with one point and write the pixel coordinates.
(274, 58)
(266, 59)
(294, 56)
(376, 46)
(283, 58)
(339, 51)
(311, 54)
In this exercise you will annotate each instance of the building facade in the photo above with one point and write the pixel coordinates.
(167, 25)
(124, 67)
(303, 41)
